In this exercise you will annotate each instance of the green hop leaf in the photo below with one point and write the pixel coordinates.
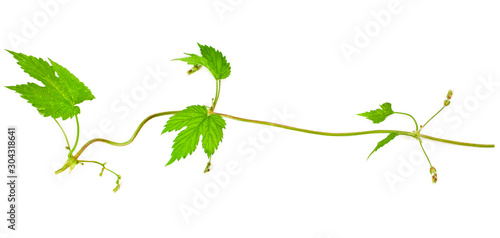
(378, 115)
(212, 59)
(62, 92)
(193, 59)
(194, 122)
(383, 142)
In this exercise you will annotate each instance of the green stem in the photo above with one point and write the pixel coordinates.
(317, 132)
(411, 134)
(416, 124)
(457, 142)
(217, 93)
(101, 164)
(432, 117)
(405, 133)
(126, 142)
(421, 146)
(77, 135)
(65, 137)
(118, 177)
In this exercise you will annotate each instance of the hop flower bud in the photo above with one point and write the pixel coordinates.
(117, 187)
(446, 102)
(117, 184)
(194, 69)
(450, 93)
(432, 170)
(434, 178)
(207, 168)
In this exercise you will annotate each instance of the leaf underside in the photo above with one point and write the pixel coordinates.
(194, 122)
(378, 115)
(383, 142)
(60, 94)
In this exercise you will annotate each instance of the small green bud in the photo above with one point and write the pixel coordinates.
(446, 102)
(103, 168)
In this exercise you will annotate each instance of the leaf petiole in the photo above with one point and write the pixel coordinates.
(65, 137)
(416, 124)
(77, 135)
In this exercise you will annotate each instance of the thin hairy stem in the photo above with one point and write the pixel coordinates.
(416, 124)
(405, 133)
(128, 141)
(65, 137)
(432, 117)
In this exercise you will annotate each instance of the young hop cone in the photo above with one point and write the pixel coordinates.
(432, 170)
(450, 93)
(448, 97)
(434, 178)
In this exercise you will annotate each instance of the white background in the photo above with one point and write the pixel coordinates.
(286, 57)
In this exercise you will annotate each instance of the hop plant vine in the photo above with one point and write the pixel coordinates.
(62, 92)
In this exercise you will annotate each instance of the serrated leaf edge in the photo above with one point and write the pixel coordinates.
(383, 142)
